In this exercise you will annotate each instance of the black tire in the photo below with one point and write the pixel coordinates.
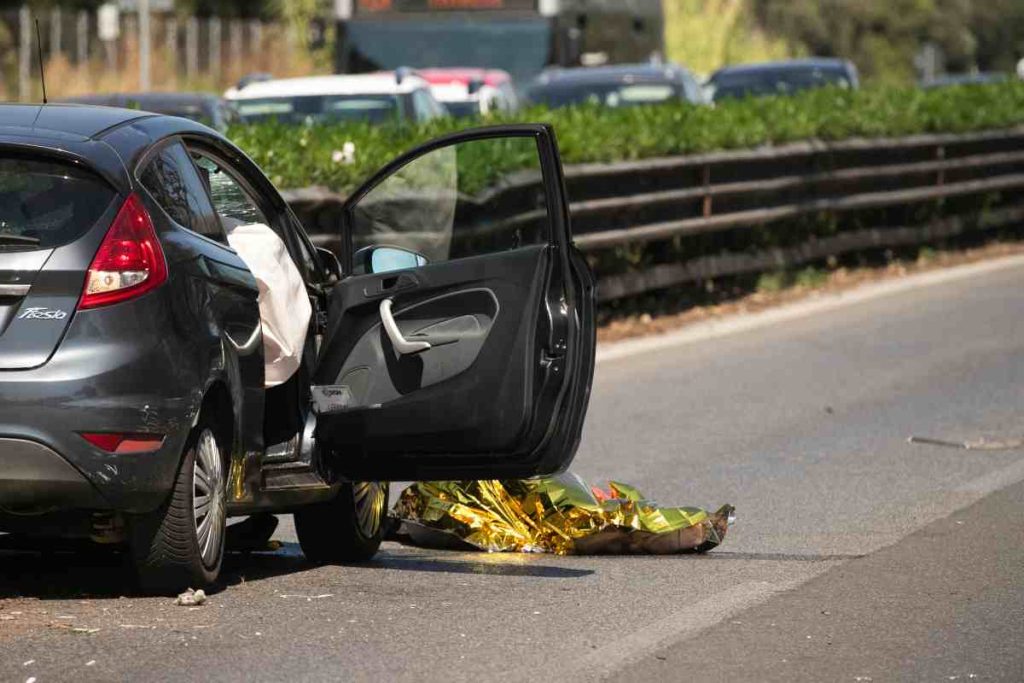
(336, 532)
(165, 543)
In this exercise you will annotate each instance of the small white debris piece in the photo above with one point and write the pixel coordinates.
(31, 680)
(191, 598)
(91, 662)
(308, 598)
(29, 662)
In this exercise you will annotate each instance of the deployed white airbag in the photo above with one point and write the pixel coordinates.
(284, 304)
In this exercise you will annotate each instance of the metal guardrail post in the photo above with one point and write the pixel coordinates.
(706, 181)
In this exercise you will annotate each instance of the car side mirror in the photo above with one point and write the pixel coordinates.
(386, 259)
(330, 263)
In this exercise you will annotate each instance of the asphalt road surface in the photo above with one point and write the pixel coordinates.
(857, 555)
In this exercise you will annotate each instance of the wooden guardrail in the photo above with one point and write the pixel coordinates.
(637, 203)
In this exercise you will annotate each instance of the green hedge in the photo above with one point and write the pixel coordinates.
(299, 157)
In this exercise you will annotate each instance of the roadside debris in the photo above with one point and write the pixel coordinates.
(191, 598)
(74, 629)
(560, 515)
(976, 445)
(309, 598)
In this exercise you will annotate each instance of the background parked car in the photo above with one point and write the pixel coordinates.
(616, 86)
(472, 92)
(386, 96)
(978, 78)
(208, 109)
(781, 78)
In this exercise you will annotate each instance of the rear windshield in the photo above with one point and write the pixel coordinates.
(45, 204)
(321, 109)
(775, 81)
(606, 94)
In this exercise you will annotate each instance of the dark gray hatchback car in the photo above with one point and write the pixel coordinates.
(453, 337)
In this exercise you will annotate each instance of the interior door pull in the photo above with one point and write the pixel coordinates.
(401, 344)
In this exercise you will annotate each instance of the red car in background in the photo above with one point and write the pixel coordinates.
(472, 92)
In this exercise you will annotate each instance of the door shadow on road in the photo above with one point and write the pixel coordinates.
(494, 565)
(777, 557)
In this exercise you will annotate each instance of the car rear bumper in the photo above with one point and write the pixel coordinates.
(118, 370)
(35, 476)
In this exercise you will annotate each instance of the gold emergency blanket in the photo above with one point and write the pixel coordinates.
(559, 515)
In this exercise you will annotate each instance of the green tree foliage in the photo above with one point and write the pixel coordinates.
(883, 36)
(999, 28)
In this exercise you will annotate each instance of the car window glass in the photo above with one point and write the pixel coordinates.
(233, 204)
(46, 204)
(319, 109)
(310, 261)
(425, 106)
(467, 199)
(172, 180)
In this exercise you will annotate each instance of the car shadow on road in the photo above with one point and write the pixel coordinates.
(63, 570)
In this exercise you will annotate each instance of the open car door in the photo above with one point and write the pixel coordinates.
(460, 343)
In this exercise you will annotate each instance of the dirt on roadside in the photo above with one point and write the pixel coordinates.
(838, 280)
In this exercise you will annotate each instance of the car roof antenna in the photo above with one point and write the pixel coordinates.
(39, 48)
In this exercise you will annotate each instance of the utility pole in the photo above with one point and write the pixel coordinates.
(56, 30)
(144, 45)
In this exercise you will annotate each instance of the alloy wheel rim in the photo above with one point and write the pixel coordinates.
(369, 504)
(208, 504)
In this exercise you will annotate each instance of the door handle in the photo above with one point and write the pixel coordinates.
(389, 285)
(401, 344)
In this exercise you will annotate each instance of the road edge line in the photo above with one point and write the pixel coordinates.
(676, 627)
(823, 303)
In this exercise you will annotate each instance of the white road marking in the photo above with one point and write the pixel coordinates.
(714, 329)
(994, 481)
(678, 626)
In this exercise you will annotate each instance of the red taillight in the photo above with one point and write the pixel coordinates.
(130, 261)
(124, 443)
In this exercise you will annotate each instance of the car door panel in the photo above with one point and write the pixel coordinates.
(455, 324)
(487, 289)
(502, 389)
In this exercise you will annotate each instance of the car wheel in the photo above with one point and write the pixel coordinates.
(181, 544)
(346, 529)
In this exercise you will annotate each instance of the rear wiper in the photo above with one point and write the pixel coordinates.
(10, 238)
